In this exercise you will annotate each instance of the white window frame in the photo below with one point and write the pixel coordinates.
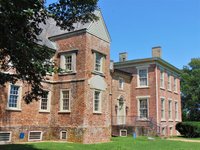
(138, 101)
(170, 109)
(176, 110)
(100, 101)
(63, 62)
(163, 114)
(10, 137)
(61, 100)
(122, 130)
(61, 132)
(175, 85)
(169, 82)
(121, 84)
(101, 62)
(18, 108)
(162, 79)
(48, 102)
(138, 77)
(41, 135)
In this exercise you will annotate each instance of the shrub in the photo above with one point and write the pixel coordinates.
(189, 129)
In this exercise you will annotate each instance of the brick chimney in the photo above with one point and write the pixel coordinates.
(157, 51)
(122, 57)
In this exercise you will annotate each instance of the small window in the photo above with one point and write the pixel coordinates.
(14, 97)
(143, 77)
(143, 108)
(170, 109)
(5, 137)
(63, 135)
(121, 83)
(123, 132)
(97, 101)
(162, 108)
(45, 102)
(35, 136)
(98, 62)
(65, 100)
(162, 79)
(169, 82)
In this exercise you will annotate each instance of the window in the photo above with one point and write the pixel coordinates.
(68, 62)
(162, 79)
(176, 110)
(121, 83)
(63, 135)
(98, 62)
(45, 102)
(170, 109)
(171, 131)
(143, 108)
(97, 101)
(65, 101)
(162, 108)
(169, 82)
(143, 77)
(175, 84)
(35, 136)
(14, 97)
(5, 137)
(163, 131)
(123, 132)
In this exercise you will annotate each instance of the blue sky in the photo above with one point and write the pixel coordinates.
(136, 26)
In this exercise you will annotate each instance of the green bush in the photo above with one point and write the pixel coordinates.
(189, 129)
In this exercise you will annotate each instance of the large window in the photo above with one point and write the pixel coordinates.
(143, 77)
(68, 62)
(143, 108)
(98, 62)
(65, 101)
(45, 102)
(169, 82)
(175, 84)
(97, 101)
(14, 97)
(162, 108)
(170, 109)
(162, 79)
(176, 110)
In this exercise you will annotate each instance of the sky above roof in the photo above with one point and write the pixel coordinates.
(135, 26)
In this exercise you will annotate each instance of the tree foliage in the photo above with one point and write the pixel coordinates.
(190, 88)
(19, 31)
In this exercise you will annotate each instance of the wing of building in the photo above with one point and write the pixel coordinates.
(92, 98)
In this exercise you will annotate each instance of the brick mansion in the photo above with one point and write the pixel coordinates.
(93, 98)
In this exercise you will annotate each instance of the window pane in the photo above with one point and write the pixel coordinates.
(96, 101)
(68, 62)
(65, 100)
(98, 62)
(14, 94)
(143, 108)
(44, 101)
(143, 77)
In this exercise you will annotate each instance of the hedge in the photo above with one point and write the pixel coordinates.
(189, 129)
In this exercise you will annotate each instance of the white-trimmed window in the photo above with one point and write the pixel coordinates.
(14, 97)
(65, 100)
(175, 84)
(97, 101)
(162, 108)
(5, 137)
(170, 109)
(142, 77)
(163, 131)
(121, 83)
(63, 135)
(123, 132)
(68, 62)
(169, 82)
(176, 110)
(35, 136)
(45, 102)
(162, 79)
(98, 64)
(143, 108)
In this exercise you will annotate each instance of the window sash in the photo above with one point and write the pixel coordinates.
(65, 100)
(97, 101)
(68, 62)
(44, 102)
(175, 84)
(143, 81)
(13, 96)
(121, 83)
(162, 79)
(170, 109)
(162, 108)
(176, 110)
(143, 104)
(98, 62)
(169, 82)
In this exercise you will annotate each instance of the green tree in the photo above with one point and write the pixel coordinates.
(19, 31)
(190, 88)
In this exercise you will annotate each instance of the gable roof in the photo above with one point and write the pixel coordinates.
(51, 31)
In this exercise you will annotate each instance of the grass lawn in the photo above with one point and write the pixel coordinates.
(118, 143)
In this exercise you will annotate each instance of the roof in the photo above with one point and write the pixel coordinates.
(129, 63)
(51, 31)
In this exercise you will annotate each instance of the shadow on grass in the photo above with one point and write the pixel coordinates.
(18, 147)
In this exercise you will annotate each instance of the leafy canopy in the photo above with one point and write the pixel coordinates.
(19, 31)
(190, 88)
